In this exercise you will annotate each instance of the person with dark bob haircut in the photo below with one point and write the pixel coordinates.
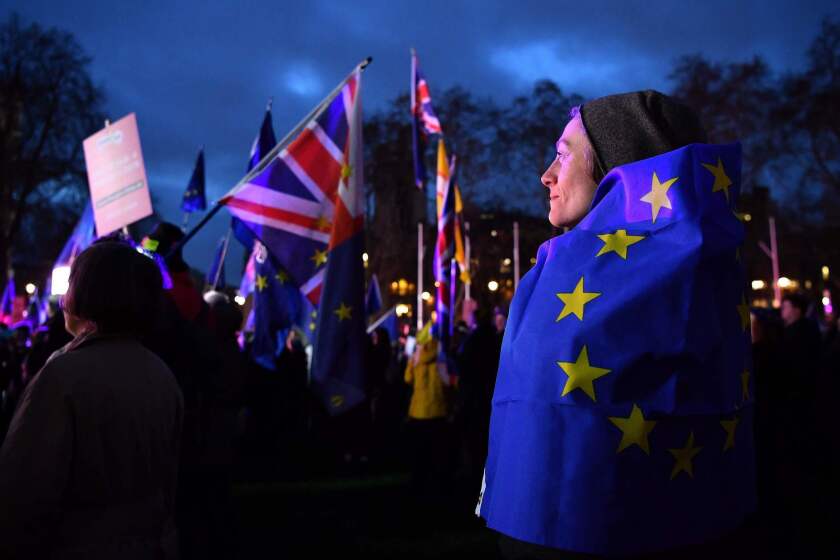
(113, 289)
(89, 466)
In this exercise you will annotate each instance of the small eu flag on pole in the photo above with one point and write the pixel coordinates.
(194, 198)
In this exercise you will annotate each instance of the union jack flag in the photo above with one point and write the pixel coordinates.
(294, 204)
(445, 246)
(423, 119)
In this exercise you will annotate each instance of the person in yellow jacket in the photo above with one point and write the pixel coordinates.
(427, 414)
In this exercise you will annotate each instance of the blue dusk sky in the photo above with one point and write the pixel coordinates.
(199, 73)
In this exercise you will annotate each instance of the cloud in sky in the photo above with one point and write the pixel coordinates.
(199, 73)
(576, 69)
(302, 80)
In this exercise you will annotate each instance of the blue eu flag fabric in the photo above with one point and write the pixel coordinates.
(278, 306)
(623, 411)
(7, 302)
(373, 299)
(387, 321)
(83, 235)
(216, 272)
(263, 143)
(338, 358)
(194, 198)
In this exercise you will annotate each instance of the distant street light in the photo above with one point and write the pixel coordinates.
(426, 296)
(402, 309)
(239, 299)
(492, 285)
(30, 288)
(758, 284)
(825, 272)
(784, 282)
(60, 280)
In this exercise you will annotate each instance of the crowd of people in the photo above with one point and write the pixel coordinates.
(76, 404)
(796, 359)
(140, 406)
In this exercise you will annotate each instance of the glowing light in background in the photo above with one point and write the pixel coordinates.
(492, 285)
(60, 280)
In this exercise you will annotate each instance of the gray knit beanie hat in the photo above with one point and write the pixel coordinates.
(629, 127)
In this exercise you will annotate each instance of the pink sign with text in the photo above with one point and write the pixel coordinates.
(116, 176)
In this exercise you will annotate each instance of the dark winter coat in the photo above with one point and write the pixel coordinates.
(89, 466)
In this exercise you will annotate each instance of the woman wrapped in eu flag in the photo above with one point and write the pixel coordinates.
(622, 415)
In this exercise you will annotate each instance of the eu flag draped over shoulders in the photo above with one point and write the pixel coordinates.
(623, 409)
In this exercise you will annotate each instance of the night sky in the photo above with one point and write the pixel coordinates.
(199, 73)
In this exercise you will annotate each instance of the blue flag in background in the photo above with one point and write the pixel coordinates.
(194, 198)
(7, 303)
(83, 235)
(216, 272)
(622, 414)
(373, 300)
(387, 321)
(278, 306)
(263, 143)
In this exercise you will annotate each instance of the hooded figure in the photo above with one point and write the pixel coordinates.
(622, 413)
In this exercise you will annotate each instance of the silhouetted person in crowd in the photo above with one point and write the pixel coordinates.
(800, 355)
(384, 394)
(379, 357)
(49, 338)
(427, 414)
(771, 461)
(183, 339)
(89, 466)
(478, 362)
(184, 293)
(293, 370)
(219, 426)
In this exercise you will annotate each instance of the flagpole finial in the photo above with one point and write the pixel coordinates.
(268, 105)
(365, 63)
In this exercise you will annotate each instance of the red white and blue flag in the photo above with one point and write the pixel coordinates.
(291, 204)
(307, 207)
(445, 245)
(424, 121)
